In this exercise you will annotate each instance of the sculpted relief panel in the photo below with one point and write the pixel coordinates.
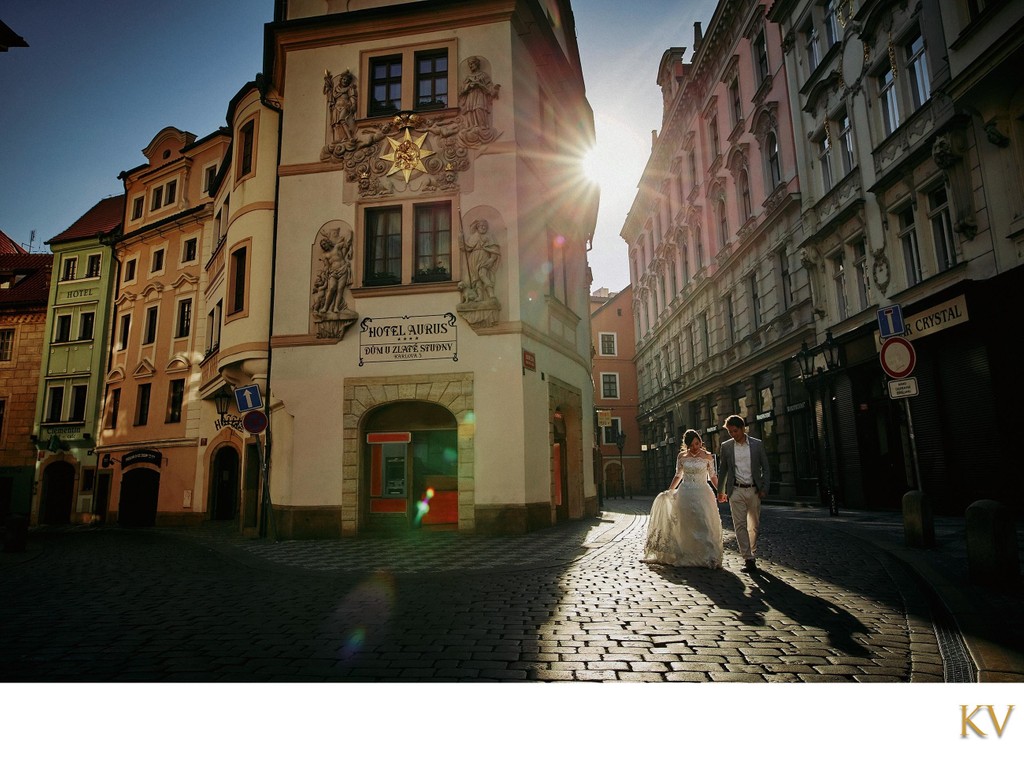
(332, 276)
(427, 152)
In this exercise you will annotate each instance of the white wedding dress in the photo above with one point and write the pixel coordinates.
(685, 528)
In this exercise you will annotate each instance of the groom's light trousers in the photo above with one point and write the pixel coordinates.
(745, 506)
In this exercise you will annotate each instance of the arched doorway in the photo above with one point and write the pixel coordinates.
(410, 466)
(58, 494)
(224, 484)
(140, 490)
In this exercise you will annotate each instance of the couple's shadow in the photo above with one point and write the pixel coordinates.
(769, 593)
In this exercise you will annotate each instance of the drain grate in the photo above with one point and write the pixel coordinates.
(957, 666)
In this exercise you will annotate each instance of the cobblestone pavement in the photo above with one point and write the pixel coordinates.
(569, 603)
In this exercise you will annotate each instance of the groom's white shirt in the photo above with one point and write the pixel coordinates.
(741, 460)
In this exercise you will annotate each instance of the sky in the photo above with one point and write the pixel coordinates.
(101, 77)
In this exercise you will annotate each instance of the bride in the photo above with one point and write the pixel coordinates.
(684, 527)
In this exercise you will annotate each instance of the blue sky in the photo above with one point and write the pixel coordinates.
(100, 79)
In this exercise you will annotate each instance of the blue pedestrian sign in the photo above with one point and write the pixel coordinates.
(248, 398)
(890, 321)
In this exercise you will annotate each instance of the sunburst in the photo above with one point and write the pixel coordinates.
(407, 155)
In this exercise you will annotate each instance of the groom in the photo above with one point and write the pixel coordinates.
(743, 479)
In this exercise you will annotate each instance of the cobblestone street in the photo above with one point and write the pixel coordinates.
(570, 603)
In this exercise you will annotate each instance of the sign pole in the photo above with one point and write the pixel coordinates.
(913, 443)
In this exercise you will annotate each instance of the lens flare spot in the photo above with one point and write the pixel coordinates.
(363, 615)
(559, 240)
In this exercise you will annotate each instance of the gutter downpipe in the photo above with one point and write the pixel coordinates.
(267, 513)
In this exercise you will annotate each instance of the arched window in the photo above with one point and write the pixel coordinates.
(743, 190)
(774, 165)
(723, 225)
(698, 243)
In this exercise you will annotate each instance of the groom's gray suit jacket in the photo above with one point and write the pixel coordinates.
(759, 466)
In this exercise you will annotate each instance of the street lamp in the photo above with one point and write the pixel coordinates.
(222, 399)
(829, 351)
(620, 441)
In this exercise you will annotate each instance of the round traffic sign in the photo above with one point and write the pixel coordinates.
(255, 421)
(898, 357)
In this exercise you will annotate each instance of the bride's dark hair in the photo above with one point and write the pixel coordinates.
(688, 437)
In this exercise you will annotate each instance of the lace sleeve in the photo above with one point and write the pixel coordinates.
(711, 469)
(679, 465)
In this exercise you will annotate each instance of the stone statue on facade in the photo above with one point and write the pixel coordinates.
(330, 311)
(342, 98)
(481, 255)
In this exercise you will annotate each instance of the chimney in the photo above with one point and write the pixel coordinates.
(698, 35)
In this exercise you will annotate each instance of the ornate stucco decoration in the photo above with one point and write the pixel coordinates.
(881, 273)
(426, 151)
(332, 276)
(948, 151)
(481, 255)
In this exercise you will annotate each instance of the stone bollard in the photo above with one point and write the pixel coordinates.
(918, 525)
(992, 545)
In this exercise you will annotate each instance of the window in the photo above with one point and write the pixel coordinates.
(170, 192)
(54, 403)
(845, 143)
(6, 345)
(383, 246)
(137, 207)
(149, 334)
(433, 242)
(831, 23)
(175, 398)
(213, 325)
(705, 334)
(125, 328)
(691, 159)
(825, 160)
(3, 414)
(942, 229)
(246, 139)
(93, 265)
(142, 404)
(743, 190)
(62, 333)
(86, 323)
(908, 241)
(755, 303)
(129, 270)
(431, 79)
(730, 320)
(158, 260)
(698, 242)
(608, 347)
(761, 69)
(79, 394)
(713, 133)
(158, 198)
(611, 433)
(183, 324)
(811, 46)
(723, 224)
(890, 103)
(113, 408)
(774, 164)
(691, 343)
(860, 266)
(737, 103)
(609, 385)
(209, 177)
(917, 67)
(385, 85)
(189, 251)
(70, 268)
(237, 281)
(787, 282)
(839, 279)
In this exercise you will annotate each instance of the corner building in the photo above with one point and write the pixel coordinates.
(430, 340)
